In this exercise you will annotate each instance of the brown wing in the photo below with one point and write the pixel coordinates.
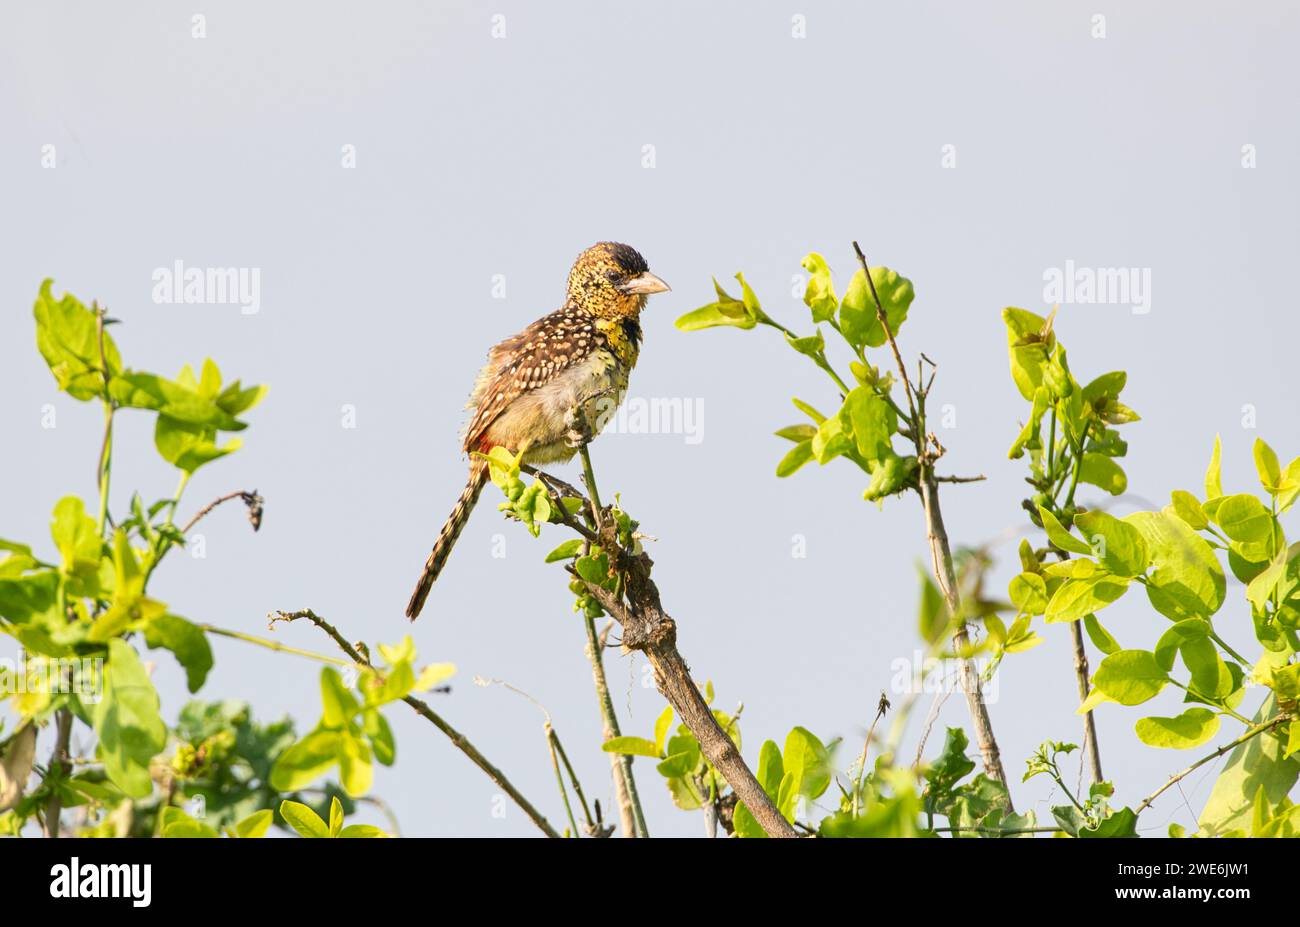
(527, 361)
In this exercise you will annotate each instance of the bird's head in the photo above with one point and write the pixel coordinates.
(612, 280)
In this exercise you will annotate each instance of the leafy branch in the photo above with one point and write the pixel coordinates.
(610, 572)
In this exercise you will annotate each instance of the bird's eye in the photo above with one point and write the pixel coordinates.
(613, 276)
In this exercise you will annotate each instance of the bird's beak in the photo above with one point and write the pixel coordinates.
(644, 285)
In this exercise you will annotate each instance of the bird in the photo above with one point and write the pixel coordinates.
(547, 390)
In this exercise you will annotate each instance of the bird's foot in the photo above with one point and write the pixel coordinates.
(578, 434)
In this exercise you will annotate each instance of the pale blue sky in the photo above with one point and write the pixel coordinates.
(479, 156)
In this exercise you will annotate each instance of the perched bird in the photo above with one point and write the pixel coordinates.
(550, 387)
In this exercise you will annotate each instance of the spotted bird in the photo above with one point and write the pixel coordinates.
(541, 388)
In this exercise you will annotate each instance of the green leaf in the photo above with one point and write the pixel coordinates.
(663, 724)
(889, 475)
(797, 433)
(255, 825)
(1028, 593)
(727, 310)
(186, 641)
(871, 421)
(1190, 729)
(1259, 590)
(810, 346)
(76, 536)
(1100, 470)
(1076, 598)
(1101, 638)
(795, 458)
(1117, 545)
(807, 768)
(127, 720)
(172, 398)
(1057, 534)
(1106, 387)
(380, 734)
(336, 816)
(306, 761)
(951, 765)
(771, 768)
(682, 756)
(1030, 434)
(1210, 675)
(770, 774)
(1188, 508)
(177, 824)
(809, 411)
(1123, 823)
(1130, 677)
(1290, 490)
(570, 548)
(356, 769)
(302, 819)
(1185, 579)
(363, 831)
(632, 746)
(819, 295)
(858, 318)
(1268, 467)
(434, 675)
(831, 440)
(1244, 518)
(1190, 629)
(340, 704)
(188, 447)
(1213, 475)
(1028, 340)
(67, 335)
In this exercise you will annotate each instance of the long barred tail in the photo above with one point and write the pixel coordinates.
(478, 476)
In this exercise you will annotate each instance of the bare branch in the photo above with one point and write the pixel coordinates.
(251, 499)
(940, 551)
(461, 742)
(1252, 733)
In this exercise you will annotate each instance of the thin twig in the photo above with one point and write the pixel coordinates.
(1082, 678)
(557, 752)
(932, 716)
(594, 828)
(559, 778)
(647, 628)
(459, 740)
(1091, 748)
(278, 646)
(625, 790)
(941, 553)
(1252, 733)
(881, 707)
(60, 759)
(251, 499)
